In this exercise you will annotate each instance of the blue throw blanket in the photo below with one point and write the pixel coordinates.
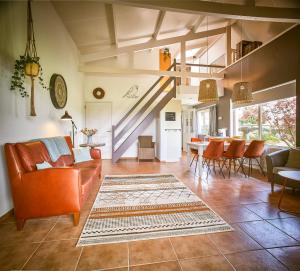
(56, 146)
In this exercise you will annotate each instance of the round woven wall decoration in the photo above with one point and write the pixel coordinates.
(58, 91)
(98, 93)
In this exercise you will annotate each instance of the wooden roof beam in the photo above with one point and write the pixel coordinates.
(150, 44)
(125, 72)
(111, 22)
(224, 10)
(159, 22)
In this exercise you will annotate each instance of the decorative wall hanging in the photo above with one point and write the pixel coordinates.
(28, 64)
(99, 93)
(58, 91)
(132, 93)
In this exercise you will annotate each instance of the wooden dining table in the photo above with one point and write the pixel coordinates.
(201, 146)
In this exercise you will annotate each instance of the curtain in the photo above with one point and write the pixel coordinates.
(212, 121)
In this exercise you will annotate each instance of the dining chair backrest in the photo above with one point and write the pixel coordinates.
(216, 139)
(214, 149)
(196, 139)
(236, 149)
(255, 149)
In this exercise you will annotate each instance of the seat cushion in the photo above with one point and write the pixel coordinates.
(194, 151)
(32, 153)
(277, 169)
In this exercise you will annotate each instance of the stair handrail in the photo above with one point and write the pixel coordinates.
(142, 110)
(144, 96)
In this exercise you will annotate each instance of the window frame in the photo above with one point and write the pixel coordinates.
(260, 126)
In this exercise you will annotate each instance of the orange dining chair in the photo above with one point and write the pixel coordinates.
(195, 151)
(213, 153)
(254, 151)
(234, 152)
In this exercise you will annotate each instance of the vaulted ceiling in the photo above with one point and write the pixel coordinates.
(98, 26)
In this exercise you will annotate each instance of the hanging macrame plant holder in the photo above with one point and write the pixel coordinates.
(32, 67)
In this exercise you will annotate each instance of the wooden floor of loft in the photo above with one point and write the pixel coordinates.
(264, 238)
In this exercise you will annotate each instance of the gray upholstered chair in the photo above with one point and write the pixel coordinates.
(282, 160)
(146, 148)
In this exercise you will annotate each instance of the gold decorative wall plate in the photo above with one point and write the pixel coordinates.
(58, 91)
(99, 93)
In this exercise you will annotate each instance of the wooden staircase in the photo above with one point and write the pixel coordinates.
(140, 116)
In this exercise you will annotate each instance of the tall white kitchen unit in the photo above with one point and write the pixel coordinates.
(169, 141)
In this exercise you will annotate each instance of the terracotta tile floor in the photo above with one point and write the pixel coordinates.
(264, 238)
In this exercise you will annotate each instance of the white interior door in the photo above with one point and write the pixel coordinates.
(98, 115)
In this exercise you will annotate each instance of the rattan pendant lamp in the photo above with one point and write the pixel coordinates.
(242, 91)
(208, 91)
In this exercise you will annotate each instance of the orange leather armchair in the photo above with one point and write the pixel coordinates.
(62, 189)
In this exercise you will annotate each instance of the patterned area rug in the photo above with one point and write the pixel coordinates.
(139, 207)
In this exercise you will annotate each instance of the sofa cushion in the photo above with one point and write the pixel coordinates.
(43, 165)
(294, 159)
(82, 154)
(63, 161)
(277, 169)
(32, 153)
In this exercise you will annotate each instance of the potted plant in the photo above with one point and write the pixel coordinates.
(28, 65)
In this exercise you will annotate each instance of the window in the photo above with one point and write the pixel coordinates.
(246, 122)
(279, 122)
(274, 122)
(203, 122)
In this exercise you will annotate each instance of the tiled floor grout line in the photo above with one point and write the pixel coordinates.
(128, 256)
(175, 254)
(221, 253)
(282, 231)
(277, 259)
(266, 220)
(42, 241)
(244, 231)
(77, 262)
(156, 262)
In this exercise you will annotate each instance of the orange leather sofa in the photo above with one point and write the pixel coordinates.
(62, 189)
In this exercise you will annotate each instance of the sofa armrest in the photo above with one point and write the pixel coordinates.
(53, 190)
(276, 159)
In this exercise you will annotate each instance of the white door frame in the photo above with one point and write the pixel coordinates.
(102, 102)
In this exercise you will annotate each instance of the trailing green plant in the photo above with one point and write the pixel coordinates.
(18, 77)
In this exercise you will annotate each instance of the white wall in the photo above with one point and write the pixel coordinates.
(116, 86)
(58, 55)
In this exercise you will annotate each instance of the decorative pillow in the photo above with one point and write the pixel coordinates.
(82, 154)
(43, 165)
(294, 159)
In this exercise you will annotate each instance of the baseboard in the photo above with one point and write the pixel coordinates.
(6, 215)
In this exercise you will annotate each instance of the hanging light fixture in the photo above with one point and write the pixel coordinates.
(242, 91)
(208, 91)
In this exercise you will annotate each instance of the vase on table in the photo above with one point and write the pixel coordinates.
(89, 139)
